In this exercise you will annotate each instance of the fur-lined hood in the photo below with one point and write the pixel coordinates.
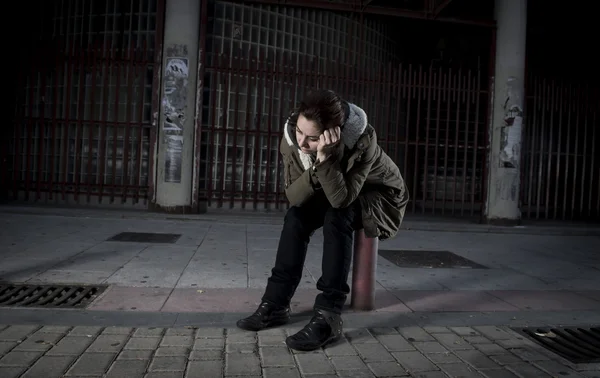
(355, 125)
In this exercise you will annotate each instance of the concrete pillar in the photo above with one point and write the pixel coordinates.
(175, 141)
(502, 205)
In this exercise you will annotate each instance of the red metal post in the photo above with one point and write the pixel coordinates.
(364, 271)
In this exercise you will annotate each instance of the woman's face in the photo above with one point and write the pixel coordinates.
(307, 135)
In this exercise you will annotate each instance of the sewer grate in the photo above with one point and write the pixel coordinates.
(48, 296)
(577, 344)
(145, 237)
(428, 259)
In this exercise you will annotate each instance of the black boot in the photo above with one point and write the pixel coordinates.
(267, 315)
(323, 328)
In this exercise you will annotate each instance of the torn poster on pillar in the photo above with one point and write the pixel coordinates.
(174, 104)
(511, 131)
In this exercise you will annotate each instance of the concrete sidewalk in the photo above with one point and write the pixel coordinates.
(216, 270)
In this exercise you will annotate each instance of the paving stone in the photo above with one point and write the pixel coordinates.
(16, 333)
(276, 356)
(498, 373)
(70, 345)
(108, 344)
(5, 346)
(360, 336)
(556, 369)
(271, 340)
(477, 359)
(204, 369)
(177, 341)
(281, 372)
(55, 329)
(164, 374)
(373, 352)
(395, 343)
(20, 358)
(39, 342)
(515, 343)
(525, 370)
(476, 340)
(135, 355)
(180, 331)
(429, 374)
(241, 348)
(92, 364)
(172, 351)
(528, 354)
(168, 364)
(340, 348)
(273, 332)
(491, 349)
(242, 338)
(460, 370)
(149, 332)
(430, 347)
(387, 369)
(464, 331)
(506, 359)
(242, 363)
(85, 331)
(129, 369)
(11, 372)
(452, 341)
(494, 333)
(313, 363)
(208, 344)
(142, 343)
(349, 374)
(50, 367)
(435, 329)
(414, 361)
(210, 333)
(415, 334)
(383, 331)
(117, 331)
(341, 363)
(206, 354)
(444, 358)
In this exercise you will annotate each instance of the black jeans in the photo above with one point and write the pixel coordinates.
(299, 225)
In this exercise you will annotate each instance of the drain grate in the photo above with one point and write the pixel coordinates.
(428, 259)
(48, 296)
(145, 237)
(578, 345)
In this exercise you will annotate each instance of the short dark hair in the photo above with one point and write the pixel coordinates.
(324, 107)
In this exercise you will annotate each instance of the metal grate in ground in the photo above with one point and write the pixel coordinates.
(48, 296)
(145, 237)
(428, 259)
(580, 345)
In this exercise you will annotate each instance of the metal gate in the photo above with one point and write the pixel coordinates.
(561, 159)
(431, 121)
(83, 124)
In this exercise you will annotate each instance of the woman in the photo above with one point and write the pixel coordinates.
(336, 177)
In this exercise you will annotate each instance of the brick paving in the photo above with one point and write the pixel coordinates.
(426, 352)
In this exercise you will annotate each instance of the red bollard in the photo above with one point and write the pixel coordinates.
(364, 271)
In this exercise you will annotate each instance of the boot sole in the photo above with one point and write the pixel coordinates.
(300, 348)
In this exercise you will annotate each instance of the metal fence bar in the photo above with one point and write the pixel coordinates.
(408, 106)
(559, 160)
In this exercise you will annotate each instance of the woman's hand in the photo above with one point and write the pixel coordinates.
(330, 138)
